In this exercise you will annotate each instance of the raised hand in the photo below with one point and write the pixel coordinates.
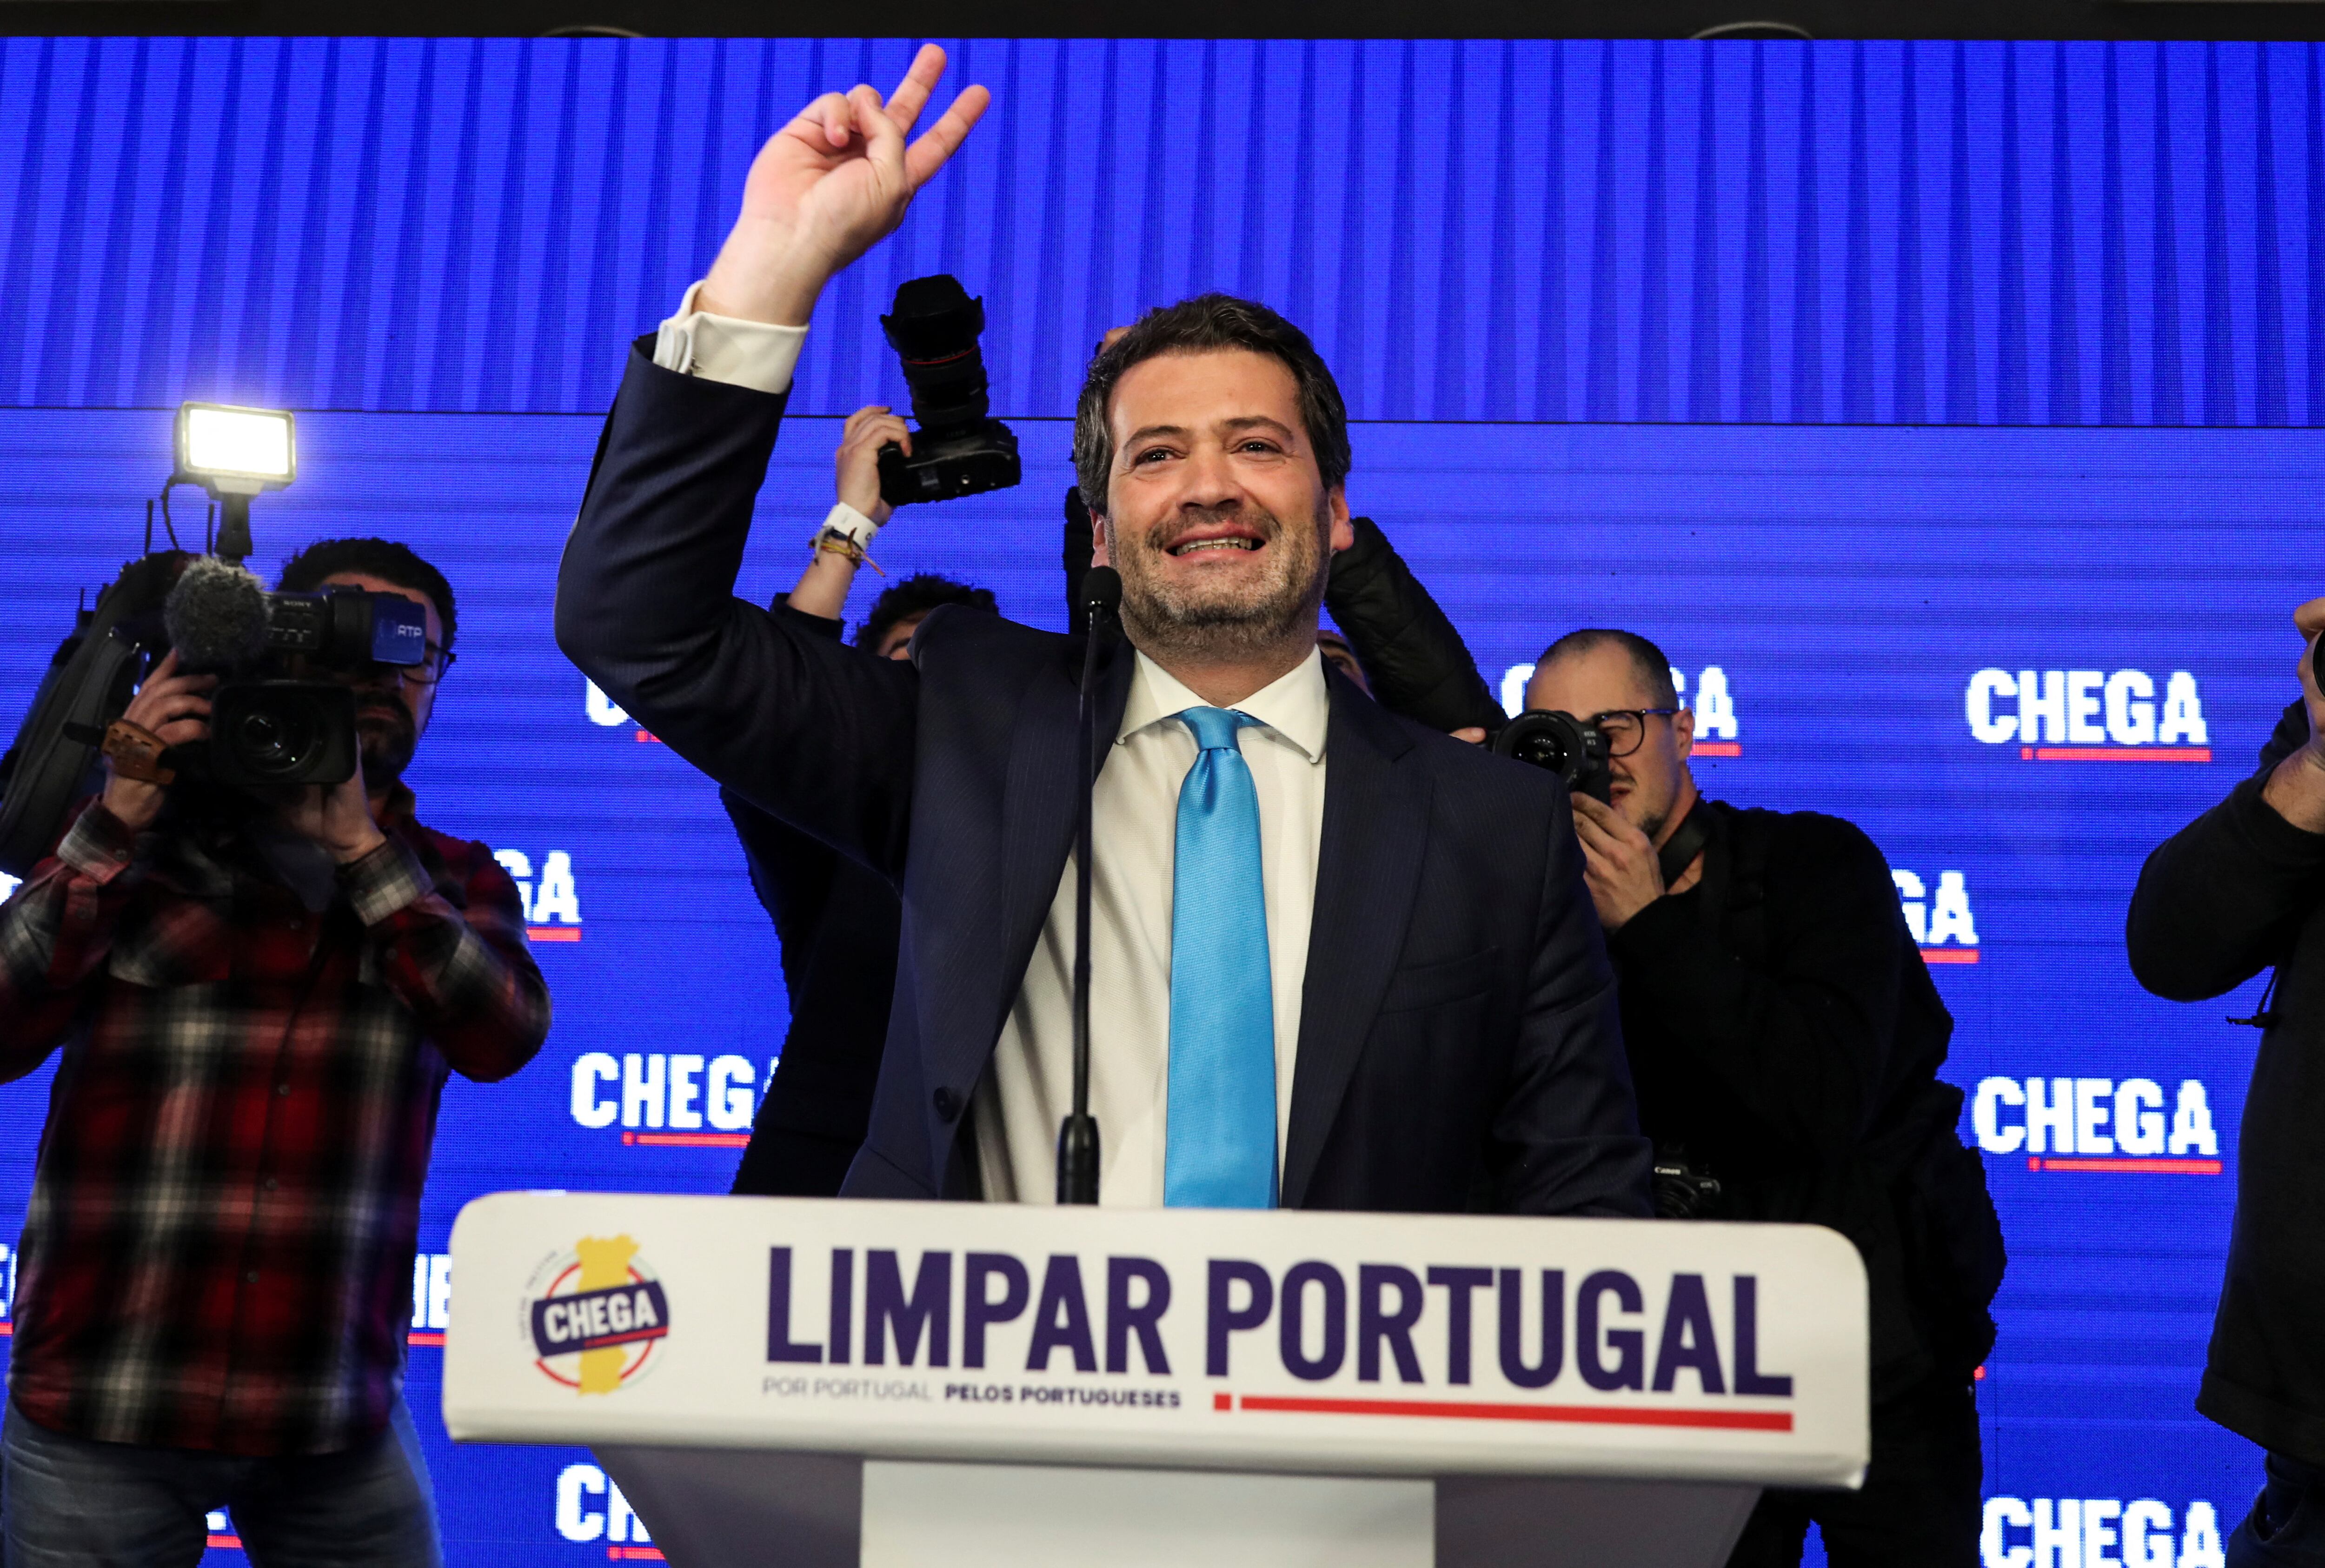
(826, 188)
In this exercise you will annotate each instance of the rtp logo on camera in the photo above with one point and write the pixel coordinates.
(594, 1317)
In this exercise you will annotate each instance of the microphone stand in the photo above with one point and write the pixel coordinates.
(1077, 1146)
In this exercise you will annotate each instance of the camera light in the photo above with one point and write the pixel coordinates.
(235, 452)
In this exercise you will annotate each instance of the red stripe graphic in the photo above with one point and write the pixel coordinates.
(1719, 748)
(425, 1338)
(2115, 753)
(635, 1554)
(230, 1542)
(1950, 955)
(645, 739)
(1478, 1410)
(691, 1140)
(554, 933)
(2129, 1166)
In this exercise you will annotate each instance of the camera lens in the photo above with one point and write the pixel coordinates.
(1545, 749)
(934, 330)
(273, 742)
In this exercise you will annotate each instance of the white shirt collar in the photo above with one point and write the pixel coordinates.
(1297, 705)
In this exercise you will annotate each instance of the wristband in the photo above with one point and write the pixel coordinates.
(135, 753)
(849, 523)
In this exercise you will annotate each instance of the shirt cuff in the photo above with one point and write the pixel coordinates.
(388, 879)
(758, 355)
(100, 844)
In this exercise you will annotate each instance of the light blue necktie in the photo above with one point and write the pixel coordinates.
(1221, 1151)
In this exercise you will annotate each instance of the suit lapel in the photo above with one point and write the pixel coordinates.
(1039, 806)
(1376, 832)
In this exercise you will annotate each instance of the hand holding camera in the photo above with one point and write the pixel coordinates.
(175, 708)
(2296, 787)
(856, 465)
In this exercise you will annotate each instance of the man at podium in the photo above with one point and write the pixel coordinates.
(1339, 960)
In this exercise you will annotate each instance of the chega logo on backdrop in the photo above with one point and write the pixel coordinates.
(594, 1316)
(2098, 1533)
(675, 1100)
(2089, 715)
(552, 904)
(1940, 920)
(607, 714)
(2103, 1125)
(1714, 705)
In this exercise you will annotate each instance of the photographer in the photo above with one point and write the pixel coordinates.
(1786, 1039)
(2239, 890)
(258, 1003)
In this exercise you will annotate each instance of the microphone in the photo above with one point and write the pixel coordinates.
(217, 617)
(1077, 1146)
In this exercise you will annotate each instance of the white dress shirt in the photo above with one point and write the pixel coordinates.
(1028, 1087)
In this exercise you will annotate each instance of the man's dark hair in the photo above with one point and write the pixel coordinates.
(1197, 326)
(1655, 671)
(916, 596)
(381, 558)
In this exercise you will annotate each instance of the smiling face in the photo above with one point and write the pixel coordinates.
(1217, 515)
(391, 712)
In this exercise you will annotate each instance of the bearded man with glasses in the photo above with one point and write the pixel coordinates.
(1786, 1040)
(256, 1003)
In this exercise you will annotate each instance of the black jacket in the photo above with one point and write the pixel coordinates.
(837, 922)
(1783, 1031)
(1457, 1042)
(2234, 892)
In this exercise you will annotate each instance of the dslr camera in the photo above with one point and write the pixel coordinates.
(271, 721)
(1575, 749)
(958, 448)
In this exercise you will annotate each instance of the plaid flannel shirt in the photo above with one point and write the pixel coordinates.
(219, 1250)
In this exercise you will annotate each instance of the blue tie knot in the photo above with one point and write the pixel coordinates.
(1215, 728)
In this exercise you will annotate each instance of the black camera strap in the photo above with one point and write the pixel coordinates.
(1680, 851)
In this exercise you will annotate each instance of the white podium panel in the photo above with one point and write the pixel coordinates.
(1329, 1344)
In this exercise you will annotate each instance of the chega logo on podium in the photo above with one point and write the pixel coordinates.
(2089, 715)
(594, 1316)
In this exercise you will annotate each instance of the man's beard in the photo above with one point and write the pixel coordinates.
(385, 738)
(1223, 621)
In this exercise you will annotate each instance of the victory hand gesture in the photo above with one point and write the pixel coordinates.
(826, 188)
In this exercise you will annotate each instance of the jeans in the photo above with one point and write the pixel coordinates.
(67, 1502)
(1919, 1507)
(2286, 1526)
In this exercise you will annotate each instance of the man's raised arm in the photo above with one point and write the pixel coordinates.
(817, 733)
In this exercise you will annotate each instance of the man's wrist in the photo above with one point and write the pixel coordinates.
(2295, 789)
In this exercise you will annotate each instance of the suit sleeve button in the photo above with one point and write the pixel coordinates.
(948, 1104)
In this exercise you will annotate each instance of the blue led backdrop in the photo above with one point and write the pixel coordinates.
(1936, 406)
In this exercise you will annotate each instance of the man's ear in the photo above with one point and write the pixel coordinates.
(1344, 532)
(1101, 540)
(1683, 732)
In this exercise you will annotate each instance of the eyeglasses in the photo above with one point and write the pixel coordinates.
(429, 670)
(1625, 727)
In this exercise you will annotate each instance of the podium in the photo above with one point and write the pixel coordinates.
(803, 1383)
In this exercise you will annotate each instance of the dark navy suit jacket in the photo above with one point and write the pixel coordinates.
(1460, 1042)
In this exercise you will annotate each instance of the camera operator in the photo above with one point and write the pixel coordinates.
(258, 1003)
(2239, 890)
(1785, 1038)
